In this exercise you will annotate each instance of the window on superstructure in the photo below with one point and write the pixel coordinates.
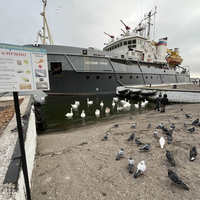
(56, 68)
(134, 41)
(129, 42)
(125, 42)
(120, 44)
(134, 46)
(115, 46)
(149, 56)
(148, 66)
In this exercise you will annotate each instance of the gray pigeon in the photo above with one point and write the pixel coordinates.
(130, 117)
(160, 126)
(132, 136)
(170, 132)
(172, 126)
(134, 125)
(116, 125)
(187, 116)
(105, 137)
(16, 128)
(193, 154)
(191, 130)
(185, 124)
(198, 124)
(170, 158)
(130, 165)
(120, 154)
(141, 168)
(175, 117)
(149, 125)
(146, 147)
(196, 121)
(169, 139)
(155, 133)
(138, 142)
(176, 180)
(164, 129)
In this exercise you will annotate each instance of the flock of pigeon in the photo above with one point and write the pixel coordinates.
(141, 167)
(124, 105)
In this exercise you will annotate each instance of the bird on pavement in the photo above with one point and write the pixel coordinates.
(193, 154)
(130, 165)
(169, 139)
(176, 180)
(172, 126)
(170, 157)
(191, 130)
(185, 124)
(146, 147)
(120, 154)
(134, 125)
(132, 136)
(138, 142)
(187, 116)
(141, 168)
(175, 117)
(160, 126)
(149, 125)
(105, 137)
(155, 133)
(196, 121)
(162, 142)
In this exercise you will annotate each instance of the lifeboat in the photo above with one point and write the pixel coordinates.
(174, 60)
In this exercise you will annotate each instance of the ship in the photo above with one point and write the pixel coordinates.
(129, 60)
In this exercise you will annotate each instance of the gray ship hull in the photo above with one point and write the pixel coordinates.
(78, 71)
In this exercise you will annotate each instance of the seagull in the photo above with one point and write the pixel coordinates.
(149, 125)
(107, 110)
(172, 126)
(69, 114)
(187, 116)
(176, 180)
(134, 125)
(138, 142)
(162, 142)
(160, 126)
(155, 133)
(185, 124)
(169, 139)
(191, 130)
(170, 157)
(130, 165)
(195, 122)
(83, 114)
(193, 154)
(89, 102)
(105, 137)
(146, 147)
(175, 117)
(132, 136)
(101, 104)
(120, 154)
(141, 168)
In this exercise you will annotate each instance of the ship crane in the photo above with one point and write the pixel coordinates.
(126, 27)
(111, 36)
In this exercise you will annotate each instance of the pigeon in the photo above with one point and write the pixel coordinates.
(191, 130)
(25, 116)
(16, 128)
(198, 124)
(162, 142)
(130, 165)
(170, 158)
(193, 154)
(172, 126)
(105, 137)
(132, 136)
(176, 180)
(164, 129)
(160, 126)
(185, 124)
(116, 125)
(134, 125)
(175, 117)
(138, 142)
(155, 133)
(120, 154)
(170, 132)
(196, 121)
(149, 125)
(146, 147)
(130, 117)
(141, 168)
(187, 116)
(169, 139)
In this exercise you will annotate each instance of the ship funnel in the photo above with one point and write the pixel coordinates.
(162, 48)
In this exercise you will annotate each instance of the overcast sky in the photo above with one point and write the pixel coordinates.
(81, 23)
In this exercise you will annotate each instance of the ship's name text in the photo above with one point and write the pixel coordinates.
(95, 63)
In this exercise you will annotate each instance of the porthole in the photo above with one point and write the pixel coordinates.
(137, 77)
(146, 76)
(110, 77)
(87, 77)
(120, 77)
(151, 77)
(97, 77)
(130, 77)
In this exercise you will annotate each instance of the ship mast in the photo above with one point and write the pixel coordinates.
(45, 24)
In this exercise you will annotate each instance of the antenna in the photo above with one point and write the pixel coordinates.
(123, 31)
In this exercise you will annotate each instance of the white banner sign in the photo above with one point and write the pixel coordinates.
(23, 68)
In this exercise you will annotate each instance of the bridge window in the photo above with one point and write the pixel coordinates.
(56, 68)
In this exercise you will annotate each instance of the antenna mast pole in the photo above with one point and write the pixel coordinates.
(44, 30)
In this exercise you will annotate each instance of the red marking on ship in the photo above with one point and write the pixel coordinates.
(162, 43)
